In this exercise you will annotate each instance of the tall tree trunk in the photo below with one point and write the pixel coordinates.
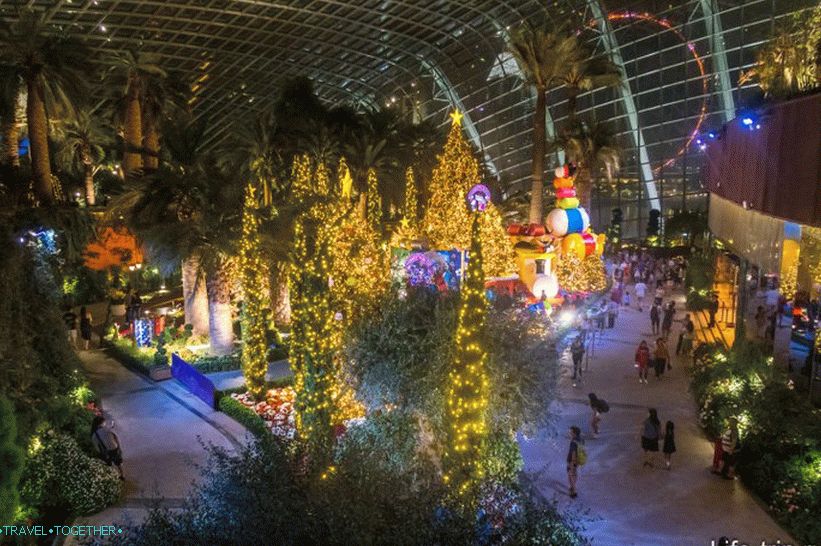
(280, 295)
(220, 323)
(11, 145)
(539, 145)
(38, 143)
(88, 175)
(584, 186)
(151, 144)
(132, 131)
(195, 297)
(572, 102)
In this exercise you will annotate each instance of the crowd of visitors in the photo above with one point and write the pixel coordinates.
(651, 281)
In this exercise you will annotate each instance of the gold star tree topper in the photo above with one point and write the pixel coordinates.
(457, 116)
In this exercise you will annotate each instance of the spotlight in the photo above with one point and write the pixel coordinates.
(567, 317)
(747, 121)
(711, 134)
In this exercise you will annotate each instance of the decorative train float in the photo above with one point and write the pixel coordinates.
(566, 231)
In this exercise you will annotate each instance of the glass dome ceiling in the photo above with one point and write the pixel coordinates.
(682, 61)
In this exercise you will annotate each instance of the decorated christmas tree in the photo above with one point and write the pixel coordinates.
(254, 279)
(569, 272)
(358, 264)
(595, 278)
(447, 221)
(468, 387)
(499, 256)
(301, 178)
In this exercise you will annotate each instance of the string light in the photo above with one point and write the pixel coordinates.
(447, 221)
(374, 201)
(254, 279)
(468, 386)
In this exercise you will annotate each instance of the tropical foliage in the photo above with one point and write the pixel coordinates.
(780, 436)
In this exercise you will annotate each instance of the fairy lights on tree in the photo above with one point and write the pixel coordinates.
(314, 335)
(447, 221)
(374, 211)
(569, 272)
(593, 274)
(254, 276)
(410, 213)
(301, 178)
(468, 387)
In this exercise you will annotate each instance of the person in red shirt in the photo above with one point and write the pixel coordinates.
(643, 360)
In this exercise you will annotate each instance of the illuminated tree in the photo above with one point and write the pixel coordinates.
(408, 229)
(569, 272)
(468, 386)
(322, 180)
(498, 253)
(447, 221)
(301, 178)
(253, 275)
(410, 214)
(595, 278)
(313, 335)
(374, 212)
(789, 281)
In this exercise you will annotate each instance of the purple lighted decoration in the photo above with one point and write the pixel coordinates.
(423, 267)
(478, 197)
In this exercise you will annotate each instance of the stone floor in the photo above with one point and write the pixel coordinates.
(622, 502)
(163, 429)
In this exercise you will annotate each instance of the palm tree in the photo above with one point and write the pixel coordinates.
(594, 148)
(584, 72)
(82, 147)
(130, 72)
(542, 54)
(55, 71)
(164, 95)
(190, 210)
(9, 124)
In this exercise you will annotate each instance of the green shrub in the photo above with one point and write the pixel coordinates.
(503, 458)
(243, 415)
(211, 364)
(127, 352)
(780, 432)
(60, 479)
(11, 462)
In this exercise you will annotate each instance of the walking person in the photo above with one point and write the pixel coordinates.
(641, 292)
(760, 322)
(659, 291)
(576, 456)
(85, 327)
(650, 437)
(685, 336)
(667, 320)
(612, 313)
(643, 360)
(597, 406)
(661, 357)
(669, 444)
(107, 443)
(72, 323)
(577, 353)
(713, 309)
(655, 318)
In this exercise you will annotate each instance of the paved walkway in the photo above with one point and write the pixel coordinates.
(626, 503)
(163, 428)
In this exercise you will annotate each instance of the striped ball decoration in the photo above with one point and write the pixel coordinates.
(560, 222)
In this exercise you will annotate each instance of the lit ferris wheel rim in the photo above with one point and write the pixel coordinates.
(667, 25)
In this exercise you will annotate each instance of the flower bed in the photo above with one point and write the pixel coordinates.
(277, 410)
